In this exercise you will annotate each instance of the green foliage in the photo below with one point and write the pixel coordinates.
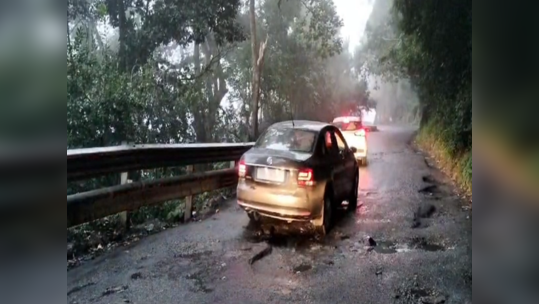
(458, 165)
(306, 75)
(429, 42)
(467, 170)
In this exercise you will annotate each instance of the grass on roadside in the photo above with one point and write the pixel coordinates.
(458, 168)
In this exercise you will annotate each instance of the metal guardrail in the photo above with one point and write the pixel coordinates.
(94, 162)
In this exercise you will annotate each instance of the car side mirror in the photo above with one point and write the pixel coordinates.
(353, 149)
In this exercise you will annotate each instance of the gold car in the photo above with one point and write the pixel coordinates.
(298, 171)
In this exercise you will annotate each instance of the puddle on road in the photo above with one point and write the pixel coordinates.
(419, 293)
(295, 236)
(386, 247)
(422, 244)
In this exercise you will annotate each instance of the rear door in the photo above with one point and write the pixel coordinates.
(348, 160)
(329, 159)
(339, 167)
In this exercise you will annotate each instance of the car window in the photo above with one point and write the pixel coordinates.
(341, 144)
(287, 139)
(351, 126)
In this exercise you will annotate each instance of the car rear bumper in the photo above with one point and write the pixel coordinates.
(300, 206)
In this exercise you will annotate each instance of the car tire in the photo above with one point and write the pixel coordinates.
(352, 200)
(327, 216)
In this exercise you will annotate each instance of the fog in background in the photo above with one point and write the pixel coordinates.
(396, 100)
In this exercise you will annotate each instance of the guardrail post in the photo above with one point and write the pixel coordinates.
(188, 200)
(124, 216)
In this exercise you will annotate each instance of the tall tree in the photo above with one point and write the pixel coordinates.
(257, 52)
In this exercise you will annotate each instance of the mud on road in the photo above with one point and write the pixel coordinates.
(408, 242)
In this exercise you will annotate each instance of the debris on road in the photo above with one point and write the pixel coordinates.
(136, 276)
(114, 290)
(302, 268)
(340, 235)
(79, 288)
(267, 251)
(371, 241)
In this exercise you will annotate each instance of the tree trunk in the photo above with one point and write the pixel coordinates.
(257, 62)
(69, 46)
(198, 122)
(122, 29)
(254, 84)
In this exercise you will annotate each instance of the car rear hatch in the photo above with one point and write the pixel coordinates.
(274, 169)
(353, 140)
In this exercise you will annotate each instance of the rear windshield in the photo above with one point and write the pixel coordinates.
(287, 140)
(351, 126)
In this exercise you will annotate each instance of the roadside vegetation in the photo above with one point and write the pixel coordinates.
(428, 44)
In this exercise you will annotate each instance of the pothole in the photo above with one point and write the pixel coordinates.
(286, 236)
(429, 179)
(419, 293)
(385, 248)
(199, 284)
(430, 190)
(303, 268)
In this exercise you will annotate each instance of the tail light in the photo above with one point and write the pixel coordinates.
(361, 132)
(305, 177)
(242, 169)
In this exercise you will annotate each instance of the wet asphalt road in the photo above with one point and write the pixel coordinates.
(422, 260)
